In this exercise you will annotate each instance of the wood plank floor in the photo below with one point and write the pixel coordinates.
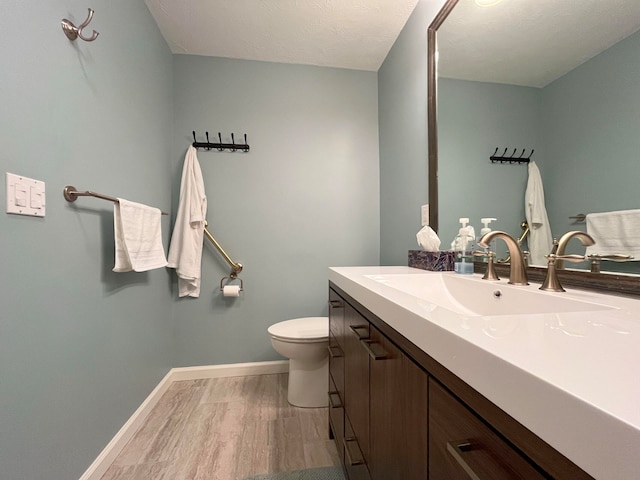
(225, 429)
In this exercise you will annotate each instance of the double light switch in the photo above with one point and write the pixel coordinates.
(25, 196)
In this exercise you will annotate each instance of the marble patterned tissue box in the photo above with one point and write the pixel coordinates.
(433, 261)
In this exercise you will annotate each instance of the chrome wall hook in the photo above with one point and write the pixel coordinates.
(72, 32)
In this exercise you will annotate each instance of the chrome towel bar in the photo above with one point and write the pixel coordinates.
(71, 194)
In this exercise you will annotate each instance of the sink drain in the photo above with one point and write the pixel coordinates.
(497, 294)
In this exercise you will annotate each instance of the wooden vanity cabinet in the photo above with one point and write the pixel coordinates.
(385, 403)
(400, 415)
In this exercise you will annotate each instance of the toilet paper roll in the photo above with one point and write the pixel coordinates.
(231, 290)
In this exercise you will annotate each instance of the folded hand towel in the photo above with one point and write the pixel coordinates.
(138, 237)
(615, 233)
(185, 250)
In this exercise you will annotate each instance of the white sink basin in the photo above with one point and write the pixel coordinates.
(470, 295)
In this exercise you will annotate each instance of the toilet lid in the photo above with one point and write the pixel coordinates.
(301, 328)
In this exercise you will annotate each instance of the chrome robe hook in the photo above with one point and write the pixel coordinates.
(72, 32)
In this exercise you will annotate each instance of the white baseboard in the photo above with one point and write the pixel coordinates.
(100, 465)
(230, 370)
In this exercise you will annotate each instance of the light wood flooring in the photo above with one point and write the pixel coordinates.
(225, 429)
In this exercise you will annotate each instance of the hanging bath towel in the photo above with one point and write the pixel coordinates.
(185, 250)
(540, 241)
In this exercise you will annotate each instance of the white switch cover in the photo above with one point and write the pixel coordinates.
(424, 214)
(25, 196)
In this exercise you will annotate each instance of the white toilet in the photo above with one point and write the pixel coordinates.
(304, 342)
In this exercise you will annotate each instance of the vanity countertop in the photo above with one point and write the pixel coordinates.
(572, 378)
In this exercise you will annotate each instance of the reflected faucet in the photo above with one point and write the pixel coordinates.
(517, 272)
(585, 238)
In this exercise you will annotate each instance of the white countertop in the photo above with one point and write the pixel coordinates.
(572, 378)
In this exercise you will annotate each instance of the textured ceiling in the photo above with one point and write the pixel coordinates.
(354, 34)
(530, 42)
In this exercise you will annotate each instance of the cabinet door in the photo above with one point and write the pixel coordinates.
(399, 413)
(461, 447)
(356, 377)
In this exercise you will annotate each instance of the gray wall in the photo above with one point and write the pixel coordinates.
(303, 199)
(402, 99)
(80, 346)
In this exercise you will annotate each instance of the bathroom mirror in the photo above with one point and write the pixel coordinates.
(501, 85)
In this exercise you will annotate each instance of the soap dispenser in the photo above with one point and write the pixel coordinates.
(463, 247)
(486, 229)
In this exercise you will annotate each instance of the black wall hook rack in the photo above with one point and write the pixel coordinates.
(233, 146)
(504, 158)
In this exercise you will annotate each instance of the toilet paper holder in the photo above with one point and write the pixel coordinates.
(231, 278)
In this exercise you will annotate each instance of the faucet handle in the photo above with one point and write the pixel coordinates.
(490, 274)
(569, 258)
(615, 257)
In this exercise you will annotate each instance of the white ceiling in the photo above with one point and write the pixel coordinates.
(520, 42)
(354, 34)
(530, 42)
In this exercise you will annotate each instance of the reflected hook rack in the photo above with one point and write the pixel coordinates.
(504, 158)
(233, 146)
(72, 32)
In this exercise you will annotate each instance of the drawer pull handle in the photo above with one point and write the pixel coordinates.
(457, 450)
(352, 450)
(369, 346)
(335, 304)
(338, 351)
(333, 404)
(355, 328)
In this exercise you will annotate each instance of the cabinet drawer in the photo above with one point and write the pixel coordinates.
(336, 417)
(354, 461)
(336, 316)
(461, 447)
(336, 364)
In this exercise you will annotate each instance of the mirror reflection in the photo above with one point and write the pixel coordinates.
(559, 78)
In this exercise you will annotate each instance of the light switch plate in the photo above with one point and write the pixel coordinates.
(25, 196)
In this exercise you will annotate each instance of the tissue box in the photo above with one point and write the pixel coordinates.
(442, 261)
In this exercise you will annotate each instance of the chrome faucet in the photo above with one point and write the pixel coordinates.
(558, 250)
(517, 270)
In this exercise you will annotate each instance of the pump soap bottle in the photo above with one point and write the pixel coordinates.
(463, 246)
(486, 229)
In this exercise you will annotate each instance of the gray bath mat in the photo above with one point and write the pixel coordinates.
(323, 473)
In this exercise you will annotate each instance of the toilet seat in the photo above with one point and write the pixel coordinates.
(301, 330)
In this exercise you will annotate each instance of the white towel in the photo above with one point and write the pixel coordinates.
(138, 237)
(615, 233)
(185, 250)
(540, 241)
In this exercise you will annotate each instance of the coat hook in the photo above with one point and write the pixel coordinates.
(194, 136)
(208, 141)
(220, 138)
(233, 141)
(72, 32)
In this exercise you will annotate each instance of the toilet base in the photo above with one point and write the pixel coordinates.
(308, 384)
